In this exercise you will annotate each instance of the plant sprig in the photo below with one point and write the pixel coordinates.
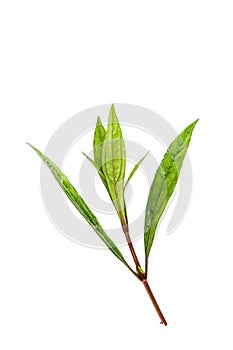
(110, 163)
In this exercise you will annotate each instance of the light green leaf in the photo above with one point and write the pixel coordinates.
(135, 169)
(91, 161)
(98, 141)
(163, 185)
(113, 164)
(80, 204)
(98, 169)
(99, 137)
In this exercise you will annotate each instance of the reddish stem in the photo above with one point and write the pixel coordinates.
(154, 302)
(142, 275)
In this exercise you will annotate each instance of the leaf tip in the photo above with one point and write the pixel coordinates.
(194, 123)
(112, 118)
(99, 122)
(112, 107)
(33, 147)
(191, 127)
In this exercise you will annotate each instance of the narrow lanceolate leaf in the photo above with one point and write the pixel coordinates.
(114, 162)
(97, 168)
(134, 170)
(164, 183)
(99, 137)
(80, 205)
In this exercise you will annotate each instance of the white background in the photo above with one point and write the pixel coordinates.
(58, 58)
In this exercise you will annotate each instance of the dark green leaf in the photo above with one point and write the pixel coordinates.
(79, 204)
(114, 162)
(134, 170)
(164, 183)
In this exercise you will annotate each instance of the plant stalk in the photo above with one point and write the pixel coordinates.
(154, 302)
(142, 276)
(133, 253)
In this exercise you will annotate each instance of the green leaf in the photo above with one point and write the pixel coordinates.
(91, 161)
(164, 184)
(98, 169)
(113, 164)
(80, 205)
(135, 169)
(98, 141)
